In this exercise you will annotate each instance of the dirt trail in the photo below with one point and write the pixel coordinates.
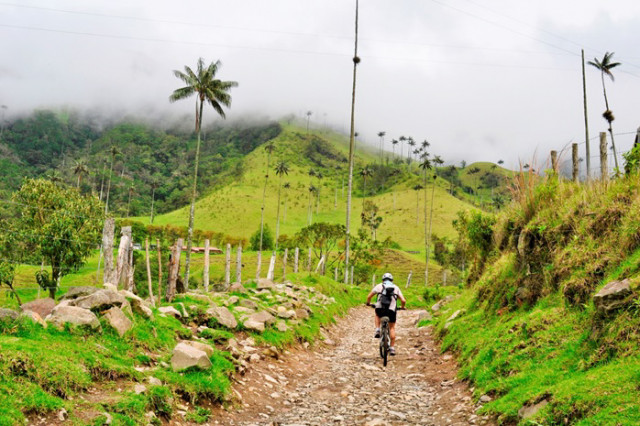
(344, 383)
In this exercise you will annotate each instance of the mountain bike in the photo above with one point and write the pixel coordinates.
(385, 337)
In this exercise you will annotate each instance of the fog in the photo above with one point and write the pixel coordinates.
(481, 80)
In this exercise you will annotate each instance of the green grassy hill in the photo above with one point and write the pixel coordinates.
(528, 331)
(235, 209)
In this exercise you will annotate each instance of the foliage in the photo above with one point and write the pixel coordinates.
(267, 239)
(632, 160)
(58, 224)
(370, 218)
(323, 238)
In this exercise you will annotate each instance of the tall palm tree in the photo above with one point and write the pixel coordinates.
(319, 176)
(215, 92)
(114, 151)
(131, 191)
(352, 146)
(605, 66)
(365, 173)
(269, 149)
(286, 187)
(312, 190)
(80, 169)
(281, 170)
(437, 161)
(155, 183)
(425, 166)
(402, 140)
(394, 142)
(417, 188)
(308, 118)
(411, 143)
(381, 136)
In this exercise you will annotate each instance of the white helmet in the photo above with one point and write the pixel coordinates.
(387, 276)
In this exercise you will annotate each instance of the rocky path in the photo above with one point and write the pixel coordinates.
(343, 382)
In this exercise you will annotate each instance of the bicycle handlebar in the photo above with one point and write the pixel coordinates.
(397, 308)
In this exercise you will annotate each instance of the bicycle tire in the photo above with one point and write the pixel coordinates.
(384, 341)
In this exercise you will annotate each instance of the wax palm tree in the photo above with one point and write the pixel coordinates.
(352, 146)
(113, 151)
(394, 142)
(308, 118)
(319, 176)
(131, 191)
(365, 173)
(269, 149)
(281, 170)
(207, 89)
(402, 140)
(155, 183)
(80, 169)
(425, 166)
(411, 143)
(286, 187)
(417, 188)
(605, 66)
(312, 190)
(381, 136)
(437, 161)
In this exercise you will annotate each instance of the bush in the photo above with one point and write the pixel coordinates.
(267, 239)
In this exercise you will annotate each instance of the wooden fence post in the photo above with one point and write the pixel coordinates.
(296, 255)
(272, 266)
(174, 269)
(554, 161)
(604, 171)
(259, 265)
(284, 263)
(239, 264)
(309, 261)
(409, 279)
(130, 268)
(205, 271)
(150, 281)
(373, 280)
(107, 245)
(574, 162)
(158, 249)
(351, 277)
(227, 267)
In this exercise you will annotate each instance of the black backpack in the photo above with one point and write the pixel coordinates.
(386, 296)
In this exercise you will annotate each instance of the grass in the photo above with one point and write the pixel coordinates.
(529, 330)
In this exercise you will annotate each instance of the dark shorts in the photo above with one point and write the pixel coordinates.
(382, 312)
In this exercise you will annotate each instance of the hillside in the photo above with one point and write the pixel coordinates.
(531, 332)
(325, 153)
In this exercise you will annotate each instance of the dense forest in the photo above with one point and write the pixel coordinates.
(133, 161)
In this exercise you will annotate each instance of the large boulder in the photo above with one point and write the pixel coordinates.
(285, 313)
(247, 303)
(265, 284)
(237, 288)
(8, 314)
(42, 307)
(264, 317)
(118, 320)
(34, 316)
(208, 349)
(253, 325)
(101, 300)
(185, 356)
(76, 292)
(73, 315)
(170, 310)
(223, 315)
(613, 296)
(138, 305)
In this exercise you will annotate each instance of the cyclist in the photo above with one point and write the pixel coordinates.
(386, 306)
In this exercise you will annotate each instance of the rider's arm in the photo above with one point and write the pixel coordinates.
(370, 296)
(402, 299)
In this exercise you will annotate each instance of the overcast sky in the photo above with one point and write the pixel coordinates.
(482, 80)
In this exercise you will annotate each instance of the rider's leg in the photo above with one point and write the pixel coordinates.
(377, 321)
(392, 333)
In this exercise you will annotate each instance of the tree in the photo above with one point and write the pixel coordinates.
(411, 143)
(402, 140)
(155, 183)
(381, 136)
(605, 66)
(365, 173)
(370, 218)
(267, 239)
(207, 88)
(312, 190)
(323, 238)
(426, 165)
(281, 170)
(308, 118)
(9, 253)
(319, 176)
(269, 148)
(417, 188)
(286, 187)
(394, 142)
(352, 145)
(131, 191)
(58, 225)
(437, 161)
(80, 169)
(113, 151)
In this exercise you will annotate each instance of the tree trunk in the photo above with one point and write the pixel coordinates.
(574, 162)
(192, 210)
(604, 172)
(409, 279)
(426, 232)
(284, 263)
(174, 269)
(351, 151)
(272, 266)
(296, 257)
(586, 118)
(278, 213)
(613, 143)
(433, 193)
(123, 257)
(107, 244)
(153, 199)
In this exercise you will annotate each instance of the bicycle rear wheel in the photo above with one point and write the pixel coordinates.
(384, 341)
